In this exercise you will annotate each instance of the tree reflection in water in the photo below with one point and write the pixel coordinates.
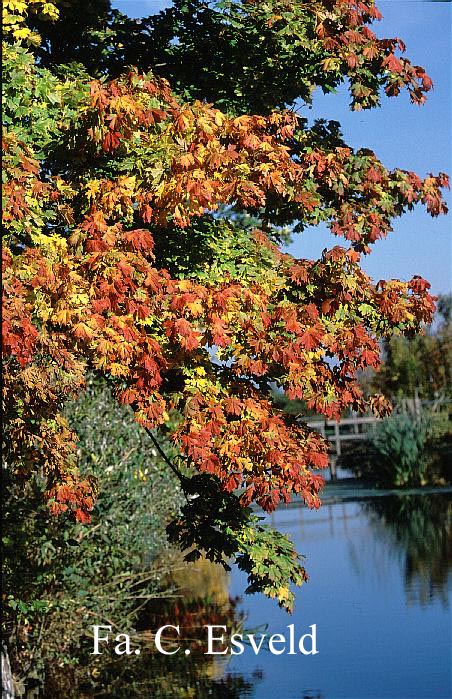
(420, 528)
(201, 598)
(176, 677)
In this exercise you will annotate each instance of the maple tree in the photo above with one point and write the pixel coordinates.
(142, 241)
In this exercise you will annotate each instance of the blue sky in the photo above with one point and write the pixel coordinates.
(401, 134)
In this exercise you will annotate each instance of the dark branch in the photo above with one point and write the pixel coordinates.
(183, 479)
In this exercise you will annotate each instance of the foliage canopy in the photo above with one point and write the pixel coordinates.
(142, 227)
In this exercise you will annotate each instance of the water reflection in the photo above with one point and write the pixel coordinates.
(167, 678)
(419, 527)
(201, 597)
(378, 594)
(378, 591)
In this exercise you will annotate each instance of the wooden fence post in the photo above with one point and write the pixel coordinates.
(337, 438)
(333, 472)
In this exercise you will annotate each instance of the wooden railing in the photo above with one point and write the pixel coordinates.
(353, 428)
(361, 428)
(334, 431)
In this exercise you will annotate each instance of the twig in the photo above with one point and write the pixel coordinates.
(183, 479)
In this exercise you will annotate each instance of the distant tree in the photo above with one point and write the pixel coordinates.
(419, 365)
(444, 306)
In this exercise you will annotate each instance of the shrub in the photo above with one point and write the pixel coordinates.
(400, 445)
(60, 580)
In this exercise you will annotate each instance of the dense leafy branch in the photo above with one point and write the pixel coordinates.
(142, 227)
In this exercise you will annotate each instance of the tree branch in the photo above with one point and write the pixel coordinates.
(182, 479)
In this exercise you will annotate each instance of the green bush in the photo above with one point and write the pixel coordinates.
(61, 577)
(400, 443)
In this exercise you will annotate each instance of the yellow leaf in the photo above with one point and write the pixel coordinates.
(62, 317)
(195, 307)
(283, 593)
(118, 369)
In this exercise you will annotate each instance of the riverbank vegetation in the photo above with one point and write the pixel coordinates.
(119, 571)
(62, 578)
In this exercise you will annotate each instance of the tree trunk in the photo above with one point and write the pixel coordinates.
(7, 678)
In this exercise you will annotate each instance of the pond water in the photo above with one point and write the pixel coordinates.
(378, 594)
(380, 582)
